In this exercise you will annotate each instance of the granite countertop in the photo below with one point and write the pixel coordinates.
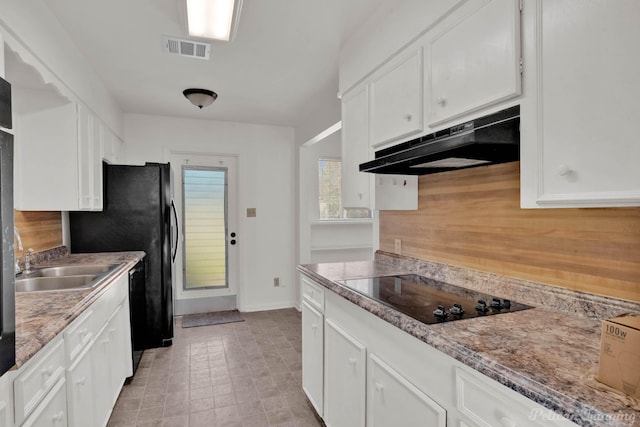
(548, 353)
(41, 316)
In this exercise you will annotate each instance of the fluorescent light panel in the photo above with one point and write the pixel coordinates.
(210, 19)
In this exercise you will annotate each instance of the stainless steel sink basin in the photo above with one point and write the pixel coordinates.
(64, 277)
(32, 284)
(74, 270)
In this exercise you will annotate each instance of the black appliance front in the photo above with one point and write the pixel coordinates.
(7, 279)
(136, 216)
(7, 283)
(431, 301)
(137, 312)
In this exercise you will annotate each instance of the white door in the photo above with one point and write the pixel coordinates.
(344, 378)
(393, 401)
(313, 355)
(206, 258)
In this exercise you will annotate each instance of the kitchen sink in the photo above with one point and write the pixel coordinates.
(74, 270)
(63, 277)
(32, 284)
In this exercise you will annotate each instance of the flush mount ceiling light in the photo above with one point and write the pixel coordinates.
(200, 97)
(213, 19)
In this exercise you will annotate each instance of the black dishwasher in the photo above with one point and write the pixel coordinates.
(137, 311)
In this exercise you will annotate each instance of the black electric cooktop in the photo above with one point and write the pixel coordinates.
(431, 301)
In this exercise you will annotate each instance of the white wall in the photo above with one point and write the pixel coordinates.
(266, 181)
(32, 24)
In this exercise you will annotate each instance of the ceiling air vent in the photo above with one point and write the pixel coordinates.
(187, 47)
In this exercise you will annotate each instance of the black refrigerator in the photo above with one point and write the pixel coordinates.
(137, 215)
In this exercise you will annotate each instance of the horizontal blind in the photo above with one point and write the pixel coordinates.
(204, 193)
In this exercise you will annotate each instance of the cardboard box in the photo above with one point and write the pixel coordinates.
(620, 354)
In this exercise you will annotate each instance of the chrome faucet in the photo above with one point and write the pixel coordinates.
(27, 261)
(16, 234)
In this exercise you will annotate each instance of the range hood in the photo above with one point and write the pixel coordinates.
(487, 140)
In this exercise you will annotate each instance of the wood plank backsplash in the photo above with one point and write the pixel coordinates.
(39, 230)
(472, 218)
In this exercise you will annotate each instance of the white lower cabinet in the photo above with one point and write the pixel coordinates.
(393, 401)
(52, 412)
(313, 356)
(80, 391)
(376, 375)
(345, 378)
(77, 377)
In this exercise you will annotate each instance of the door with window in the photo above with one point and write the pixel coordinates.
(206, 261)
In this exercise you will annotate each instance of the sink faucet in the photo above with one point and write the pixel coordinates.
(27, 261)
(16, 234)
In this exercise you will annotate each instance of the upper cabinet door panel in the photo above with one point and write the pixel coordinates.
(475, 60)
(579, 129)
(396, 98)
(356, 185)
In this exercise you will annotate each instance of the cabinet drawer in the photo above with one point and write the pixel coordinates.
(313, 293)
(79, 334)
(53, 410)
(43, 372)
(487, 403)
(109, 301)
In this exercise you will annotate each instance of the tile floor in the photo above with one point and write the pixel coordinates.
(236, 374)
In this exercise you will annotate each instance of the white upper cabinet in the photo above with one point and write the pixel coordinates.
(356, 185)
(579, 140)
(474, 59)
(396, 98)
(59, 142)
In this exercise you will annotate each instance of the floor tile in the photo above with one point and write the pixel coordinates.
(239, 374)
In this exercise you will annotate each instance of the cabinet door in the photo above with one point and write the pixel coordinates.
(396, 98)
(313, 355)
(101, 367)
(392, 400)
(475, 62)
(356, 185)
(579, 139)
(118, 354)
(97, 153)
(85, 163)
(52, 411)
(345, 378)
(80, 391)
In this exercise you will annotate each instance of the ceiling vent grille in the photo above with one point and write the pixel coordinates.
(187, 47)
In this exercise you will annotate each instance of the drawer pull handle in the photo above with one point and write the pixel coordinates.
(379, 387)
(58, 417)
(408, 117)
(82, 381)
(352, 361)
(314, 326)
(112, 330)
(47, 372)
(83, 332)
(105, 341)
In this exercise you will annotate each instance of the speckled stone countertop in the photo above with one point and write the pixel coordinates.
(548, 354)
(41, 316)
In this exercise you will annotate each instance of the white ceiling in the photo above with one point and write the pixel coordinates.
(284, 55)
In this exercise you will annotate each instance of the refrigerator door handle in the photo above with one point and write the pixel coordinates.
(175, 215)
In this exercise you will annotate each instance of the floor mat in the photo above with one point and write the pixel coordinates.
(215, 318)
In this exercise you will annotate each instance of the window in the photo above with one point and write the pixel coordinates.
(330, 193)
(205, 227)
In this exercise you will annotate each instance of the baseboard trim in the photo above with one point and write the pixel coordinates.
(265, 307)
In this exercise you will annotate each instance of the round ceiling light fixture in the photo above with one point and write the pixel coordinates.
(200, 97)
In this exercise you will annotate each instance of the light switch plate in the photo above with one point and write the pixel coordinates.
(251, 212)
